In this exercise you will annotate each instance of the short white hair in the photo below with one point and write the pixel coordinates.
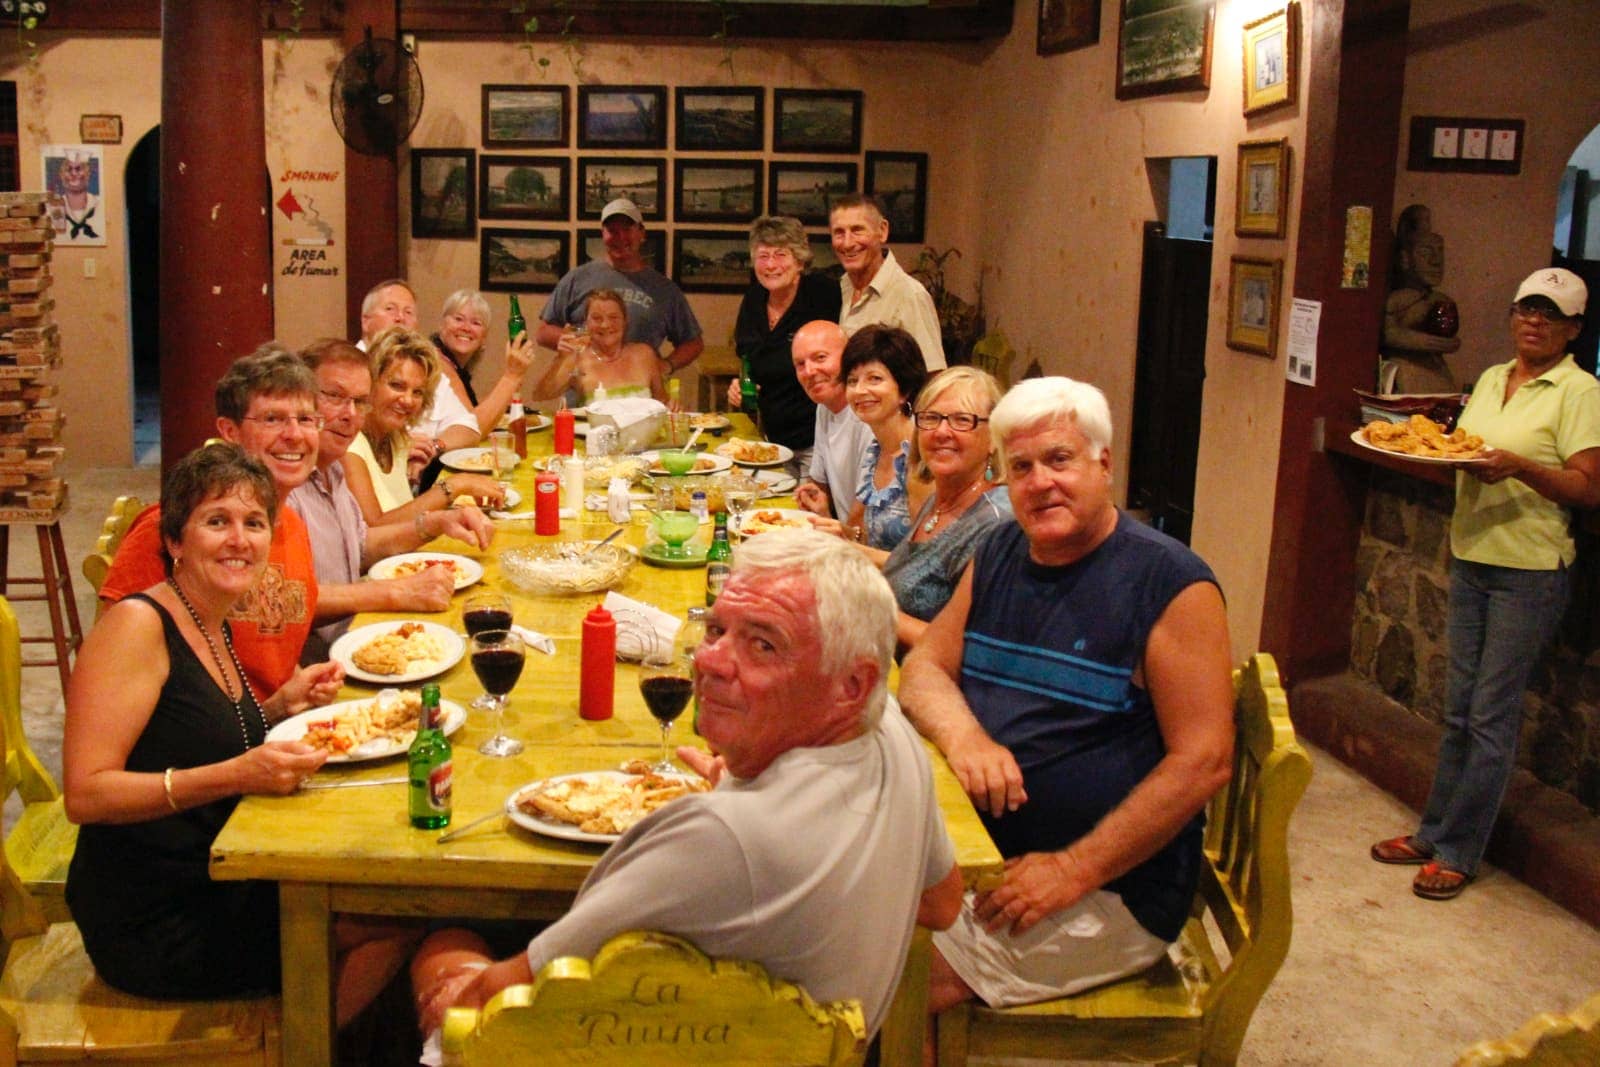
(1035, 401)
(467, 298)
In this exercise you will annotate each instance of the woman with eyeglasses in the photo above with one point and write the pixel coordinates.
(1511, 547)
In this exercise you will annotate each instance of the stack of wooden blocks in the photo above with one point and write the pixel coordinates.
(32, 489)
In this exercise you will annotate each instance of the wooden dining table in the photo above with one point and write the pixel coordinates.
(353, 850)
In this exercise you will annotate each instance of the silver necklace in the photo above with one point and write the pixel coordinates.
(216, 657)
(939, 513)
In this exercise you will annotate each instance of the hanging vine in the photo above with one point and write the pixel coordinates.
(571, 45)
(727, 16)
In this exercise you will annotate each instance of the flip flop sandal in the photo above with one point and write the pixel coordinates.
(1438, 882)
(1404, 849)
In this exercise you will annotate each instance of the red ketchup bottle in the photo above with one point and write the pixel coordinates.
(598, 675)
(547, 503)
(564, 433)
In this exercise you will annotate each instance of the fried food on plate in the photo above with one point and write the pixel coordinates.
(749, 451)
(395, 653)
(392, 715)
(1421, 436)
(762, 521)
(606, 803)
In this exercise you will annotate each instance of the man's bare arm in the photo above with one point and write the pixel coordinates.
(941, 902)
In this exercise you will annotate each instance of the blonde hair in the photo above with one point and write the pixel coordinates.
(390, 347)
(976, 386)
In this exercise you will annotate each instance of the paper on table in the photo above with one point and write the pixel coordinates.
(640, 626)
(535, 639)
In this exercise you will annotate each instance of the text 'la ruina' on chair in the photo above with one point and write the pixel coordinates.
(653, 998)
(1197, 1009)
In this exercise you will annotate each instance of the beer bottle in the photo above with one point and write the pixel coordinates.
(719, 558)
(748, 401)
(429, 766)
(515, 324)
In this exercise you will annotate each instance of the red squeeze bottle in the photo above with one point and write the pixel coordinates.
(564, 432)
(598, 676)
(547, 503)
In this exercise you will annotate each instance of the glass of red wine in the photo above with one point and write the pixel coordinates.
(666, 683)
(485, 611)
(497, 658)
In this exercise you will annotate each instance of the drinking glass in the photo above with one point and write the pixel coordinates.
(485, 611)
(497, 659)
(666, 683)
(499, 446)
(675, 528)
(739, 493)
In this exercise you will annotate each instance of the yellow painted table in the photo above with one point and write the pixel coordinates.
(353, 850)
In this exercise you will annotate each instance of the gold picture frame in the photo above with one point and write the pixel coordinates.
(1255, 290)
(1261, 199)
(1272, 60)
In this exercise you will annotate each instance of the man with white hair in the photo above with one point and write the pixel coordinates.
(1078, 682)
(821, 845)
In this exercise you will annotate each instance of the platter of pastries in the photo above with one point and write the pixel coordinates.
(1420, 438)
(755, 453)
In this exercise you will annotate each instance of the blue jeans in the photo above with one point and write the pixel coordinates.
(1500, 621)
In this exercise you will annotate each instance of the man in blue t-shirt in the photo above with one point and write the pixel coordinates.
(1078, 682)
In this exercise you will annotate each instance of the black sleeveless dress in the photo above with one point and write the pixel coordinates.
(153, 921)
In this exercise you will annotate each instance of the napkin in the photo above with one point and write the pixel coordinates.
(640, 626)
(534, 639)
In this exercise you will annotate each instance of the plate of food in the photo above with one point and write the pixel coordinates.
(776, 483)
(709, 420)
(755, 453)
(477, 459)
(1422, 440)
(394, 653)
(354, 731)
(705, 463)
(763, 519)
(466, 569)
(597, 806)
(513, 498)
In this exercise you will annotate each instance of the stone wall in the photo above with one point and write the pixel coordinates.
(1398, 636)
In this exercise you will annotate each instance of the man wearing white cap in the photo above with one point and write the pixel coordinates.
(657, 310)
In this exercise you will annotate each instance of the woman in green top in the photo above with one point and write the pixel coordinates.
(605, 357)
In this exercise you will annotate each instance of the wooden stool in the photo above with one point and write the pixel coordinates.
(716, 367)
(65, 634)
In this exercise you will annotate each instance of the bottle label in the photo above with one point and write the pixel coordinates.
(716, 578)
(440, 782)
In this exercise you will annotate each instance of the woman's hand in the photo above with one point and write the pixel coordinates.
(480, 487)
(277, 768)
(813, 498)
(570, 344)
(735, 395)
(1496, 465)
(309, 687)
(519, 356)
(832, 526)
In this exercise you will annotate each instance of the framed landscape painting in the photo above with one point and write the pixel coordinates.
(816, 120)
(823, 257)
(525, 116)
(711, 261)
(441, 193)
(602, 179)
(521, 261)
(592, 245)
(717, 190)
(721, 120)
(622, 116)
(1067, 24)
(807, 190)
(900, 182)
(524, 187)
(1164, 46)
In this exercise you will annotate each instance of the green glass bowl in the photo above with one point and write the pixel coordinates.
(676, 462)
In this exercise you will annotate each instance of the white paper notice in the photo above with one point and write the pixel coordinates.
(1305, 318)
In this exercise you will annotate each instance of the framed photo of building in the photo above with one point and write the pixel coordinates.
(524, 187)
(711, 261)
(1262, 197)
(521, 261)
(730, 119)
(807, 190)
(717, 190)
(592, 245)
(816, 120)
(1067, 24)
(1164, 46)
(1254, 289)
(441, 193)
(1271, 60)
(526, 116)
(602, 179)
(622, 116)
(900, 182)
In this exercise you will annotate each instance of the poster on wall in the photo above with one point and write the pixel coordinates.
(73, 172)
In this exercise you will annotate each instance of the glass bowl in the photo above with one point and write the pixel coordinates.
(563, 568)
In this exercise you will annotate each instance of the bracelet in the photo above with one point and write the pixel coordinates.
(166, 783)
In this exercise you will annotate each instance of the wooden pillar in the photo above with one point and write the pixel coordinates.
(372, 183)
(216, 260)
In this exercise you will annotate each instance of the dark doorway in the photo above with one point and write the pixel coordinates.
(142, 189)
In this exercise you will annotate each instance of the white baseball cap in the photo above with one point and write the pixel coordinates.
(1561, 287)
(622, 206)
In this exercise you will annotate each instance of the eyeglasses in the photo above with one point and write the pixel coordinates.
(960, 421)
(1535, 313)
(339, 400)
(276, 423)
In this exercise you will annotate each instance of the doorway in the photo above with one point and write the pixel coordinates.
(142, 192)
(1577, 237)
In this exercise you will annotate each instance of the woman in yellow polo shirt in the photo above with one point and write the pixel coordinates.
(1539, 415)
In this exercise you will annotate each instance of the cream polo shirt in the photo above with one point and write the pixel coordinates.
(1549, 420)
(894, 298)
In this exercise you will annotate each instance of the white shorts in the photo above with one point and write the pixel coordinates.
(1097, 940)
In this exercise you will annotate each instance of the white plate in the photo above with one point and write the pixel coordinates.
(803, 517)
(722, 463)
(468, 570)
(709, 421)
(555, 827)
(475, 460)
(294, 728)
(1359, 438)
(785, 454)
(776, 483)
(539, 422)
(452, 643)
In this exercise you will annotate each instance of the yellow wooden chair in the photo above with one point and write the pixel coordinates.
(1548, 1039)
(994, 354)
(1197, 1009)
(653, 998)
(97, 564)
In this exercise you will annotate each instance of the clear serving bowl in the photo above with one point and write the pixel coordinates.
(562, 568)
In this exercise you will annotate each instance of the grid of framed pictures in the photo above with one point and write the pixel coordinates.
(600, 142)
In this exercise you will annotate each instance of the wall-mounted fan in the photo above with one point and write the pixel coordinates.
(376, 96)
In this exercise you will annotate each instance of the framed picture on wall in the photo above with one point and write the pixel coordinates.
(1067, 24)
(721, 120)
(602, 179)
(1271, 60)
(441, 193)
(1163, 46)
(816, 120)
(717, 190)
(1254, 288)
(1262, 197)
(524, 187)
(711, 261)
(806, 190)
(900, 181)
(525, 116)
(592, 245)
(622, 116)
(823, 257)
(521, 261)
(75, 173)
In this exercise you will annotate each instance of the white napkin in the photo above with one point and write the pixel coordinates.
(640, 626)
(432, 1050)
(534, 639)
(627, 410)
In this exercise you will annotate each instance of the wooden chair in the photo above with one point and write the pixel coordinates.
(1197, 1009)
(653, 998)
(97, 564)
(994, 354)
(39, 847)
(1548, 1039)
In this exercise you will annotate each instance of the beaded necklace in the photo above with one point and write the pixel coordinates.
(940, 512)
(216, 657)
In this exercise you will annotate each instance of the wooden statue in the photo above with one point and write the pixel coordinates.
(1420, 320)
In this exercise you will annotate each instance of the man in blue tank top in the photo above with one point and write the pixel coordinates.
(1078, 683)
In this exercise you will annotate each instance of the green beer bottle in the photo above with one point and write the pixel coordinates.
(515, 324)
(749, 402)
(719, 558)
(429, 766)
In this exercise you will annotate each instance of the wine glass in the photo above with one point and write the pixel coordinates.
(497, 659)
(485, 611)
(666, 684)
(739, 493)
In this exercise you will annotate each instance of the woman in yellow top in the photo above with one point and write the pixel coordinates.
(605, 357)
(1539, 416)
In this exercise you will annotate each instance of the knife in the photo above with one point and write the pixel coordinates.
(353, 784)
